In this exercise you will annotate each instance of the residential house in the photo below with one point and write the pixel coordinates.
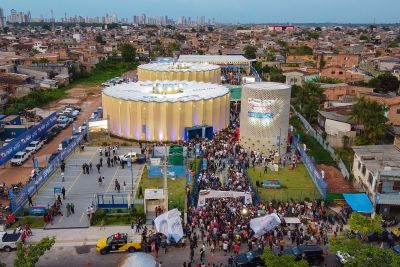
(342, 60)
(299, 77)
(376, 169)
(342, 74)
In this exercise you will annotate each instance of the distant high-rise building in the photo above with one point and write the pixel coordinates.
(2, 19)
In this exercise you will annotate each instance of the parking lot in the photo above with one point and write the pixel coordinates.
(81, 188)
(16, 174)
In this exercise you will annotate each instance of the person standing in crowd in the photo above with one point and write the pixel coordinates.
(63, 192)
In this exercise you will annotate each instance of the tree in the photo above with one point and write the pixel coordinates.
(308, 98)
(303, 50)
(99, 38)
(128, 52)
(364, 224)
(28, 256)
(371, 115)
(270, 55)
(363, 254)
(271, 259)
(250, 52)
(385, 83)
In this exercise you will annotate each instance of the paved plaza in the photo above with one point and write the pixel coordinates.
(81, 188)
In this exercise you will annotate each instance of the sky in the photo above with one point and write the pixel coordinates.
(232, 11)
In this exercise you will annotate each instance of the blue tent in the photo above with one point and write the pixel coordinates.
(359, 202)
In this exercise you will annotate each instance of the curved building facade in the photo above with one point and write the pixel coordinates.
(264, 117)
(160, 111)
(180, 72)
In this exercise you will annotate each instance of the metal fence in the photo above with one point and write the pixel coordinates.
(312, 170)
(256, 196)
(311, 131)
(194, 197)
(18, 201)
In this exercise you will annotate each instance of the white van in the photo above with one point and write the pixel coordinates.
(19, 158)
(34, 146)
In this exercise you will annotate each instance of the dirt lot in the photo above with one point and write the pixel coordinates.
(88, 98)
(335, 180)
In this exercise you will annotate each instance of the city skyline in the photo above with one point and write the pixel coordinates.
(238, 11)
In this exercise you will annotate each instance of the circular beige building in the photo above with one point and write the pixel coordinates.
(161, 111)
(264, 117)
(198, 72)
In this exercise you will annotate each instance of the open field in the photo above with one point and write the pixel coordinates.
(296, 184)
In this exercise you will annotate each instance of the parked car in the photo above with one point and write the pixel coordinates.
(53, 156)
(19, 158)
(131, 155)
(8, 241)
(248, 259)
(28, 152)
(34, 146)
(313, 254)
(56, 130)
(48, 137)
(119, 242)
(74, 107)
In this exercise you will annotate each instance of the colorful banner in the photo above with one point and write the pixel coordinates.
(22, 141)
(170, 224)
(262, 225)
(205, 194)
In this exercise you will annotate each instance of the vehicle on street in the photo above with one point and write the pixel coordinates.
(131, 155)
(74, 107)
(28, 152)
(8, 241)
(19, 158)
(313, 254)
(56, 130)
(34, 146)
(48, 137)
(119, 242)
(248, 259)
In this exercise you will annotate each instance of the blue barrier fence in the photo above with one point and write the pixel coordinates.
(172, 171)
(312, 170)
(22, 141)
(195, 188)
(18, 201)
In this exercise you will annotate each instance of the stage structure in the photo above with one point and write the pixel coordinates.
(161, 111)
(180, 71)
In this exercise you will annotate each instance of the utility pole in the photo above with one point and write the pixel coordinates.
(165, 167)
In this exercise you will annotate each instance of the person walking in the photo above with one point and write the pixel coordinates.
(116, 184)
(90, 165)
(108, 162)
(101, 162)
(112, 162)
(63, 192)
(124, 186)
(83, 168)
(68, 209)
(30, 203)
(98, 167)
(72, 206)
(62, 166)
(62, 177)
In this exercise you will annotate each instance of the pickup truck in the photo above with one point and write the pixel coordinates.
(9, 241)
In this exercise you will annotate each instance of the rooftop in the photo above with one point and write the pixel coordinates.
(377, 157)
(214, 59)
(166, 91)
(335, 116)
(178, 67)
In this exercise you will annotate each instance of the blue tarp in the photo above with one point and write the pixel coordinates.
(359, 202)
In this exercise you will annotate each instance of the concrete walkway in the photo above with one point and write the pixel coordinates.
(81, 188)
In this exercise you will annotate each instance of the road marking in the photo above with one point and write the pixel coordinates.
(112, 179)
(82, 217)
(79, 176)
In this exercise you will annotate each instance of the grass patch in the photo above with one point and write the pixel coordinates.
(314, 148)
(103, 217)
(176, 189)
(33, 221)
(296, 184)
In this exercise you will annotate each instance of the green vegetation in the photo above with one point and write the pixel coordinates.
(365, 224)
(271, 259)
(176, 189)
(347, 156)
(104, 71)
(250, 52)
(308, 99)
(103, 217)
(302, 51)
(296, 184)
(363, 254)
(128, 52)
(371, 115)
(28, 256)
(320, 79)
(385, 83)
(313, 147)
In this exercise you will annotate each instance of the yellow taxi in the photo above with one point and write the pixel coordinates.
(119, 242)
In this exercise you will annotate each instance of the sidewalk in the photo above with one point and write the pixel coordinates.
(79, 237)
